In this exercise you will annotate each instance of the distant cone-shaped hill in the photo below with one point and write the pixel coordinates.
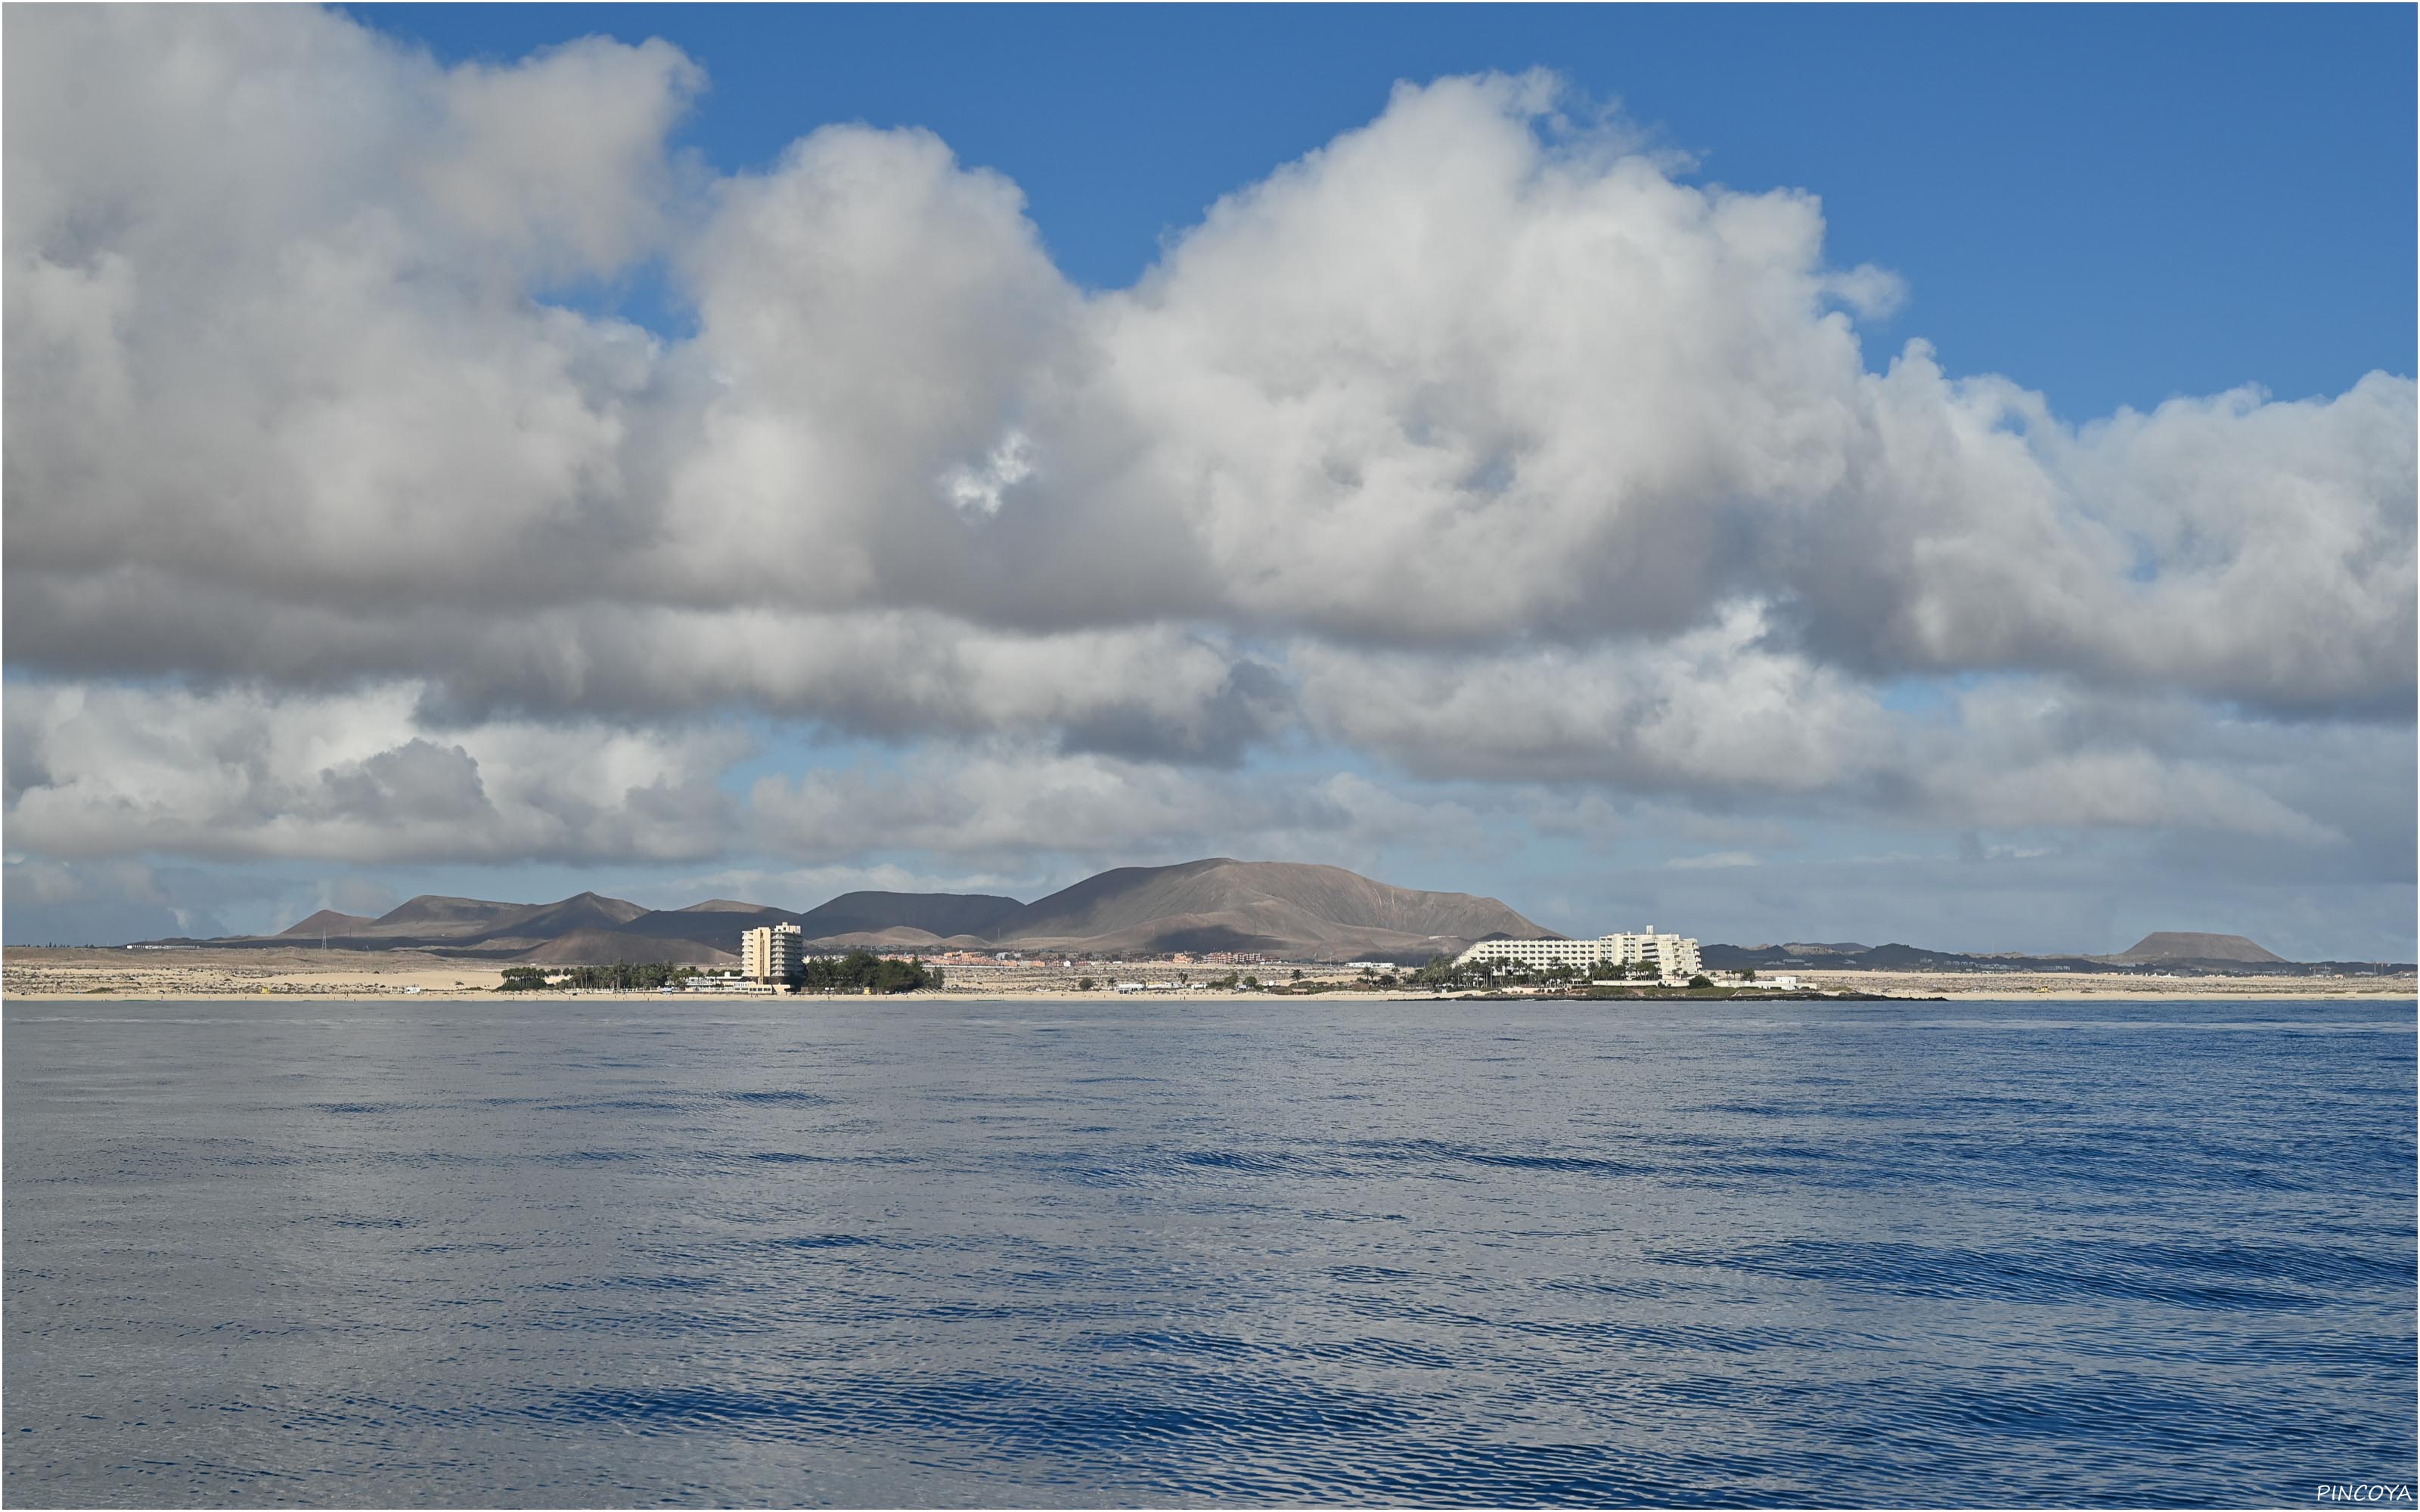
(1299, 912)
(431, 912)
(2168, 946)
(588, 911)
(326, 921)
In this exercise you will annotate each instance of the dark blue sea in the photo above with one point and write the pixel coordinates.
(639, 1251)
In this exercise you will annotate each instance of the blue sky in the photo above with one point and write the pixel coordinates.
(1852, 521)
(2113, 204)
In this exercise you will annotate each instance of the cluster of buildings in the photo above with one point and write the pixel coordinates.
(776, 953)
(1667, 955)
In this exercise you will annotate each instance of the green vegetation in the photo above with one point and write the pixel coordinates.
(857, 972)
(861, 971)
(1615, 971)
(621, 976)
(1085, 984)
(1441, 975)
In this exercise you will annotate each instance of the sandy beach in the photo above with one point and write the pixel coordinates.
(2077, 986)
(29, 972)
(53, 972)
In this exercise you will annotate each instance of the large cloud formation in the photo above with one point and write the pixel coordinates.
(1477, 441)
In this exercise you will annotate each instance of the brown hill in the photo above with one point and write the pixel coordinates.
(481, 927)
(938, 914)
(586, 911)
(1309, 912)
(467, 926)
(2167, 945)
(603, 947)
(1319, 913)
(433, 915)
(896, 941)
(717, 927)
(1313, 913)
(326, 921)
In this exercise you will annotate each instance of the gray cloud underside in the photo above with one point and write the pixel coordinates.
(1473, 441)
(236, 775)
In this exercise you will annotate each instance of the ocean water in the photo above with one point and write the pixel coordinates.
(639, 1252)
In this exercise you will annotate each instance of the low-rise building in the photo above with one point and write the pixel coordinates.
(1667, 955)
(773, 953)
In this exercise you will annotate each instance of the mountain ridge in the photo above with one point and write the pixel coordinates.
(1291, 910)
(1298, 910)
(2159, 950)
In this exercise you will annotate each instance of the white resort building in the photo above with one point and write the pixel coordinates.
(773, 953)
(1670, 954)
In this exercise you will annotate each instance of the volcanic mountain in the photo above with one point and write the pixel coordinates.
(326, 921)
(1282, 909)
(2173, 948)
(1299, 912)
(1320, 913)
(1304, 913)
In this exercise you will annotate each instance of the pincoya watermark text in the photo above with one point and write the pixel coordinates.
(2383, 1492)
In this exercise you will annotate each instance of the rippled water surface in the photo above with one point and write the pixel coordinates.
(620, 1252)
